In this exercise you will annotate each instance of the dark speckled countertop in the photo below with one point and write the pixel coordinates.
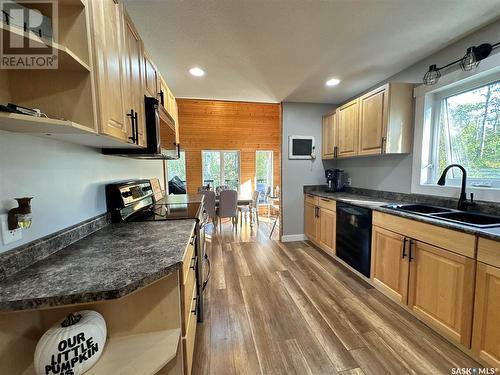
(376, 203)
(108, 264)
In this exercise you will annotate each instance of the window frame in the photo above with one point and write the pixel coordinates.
(180, 158)
(221, 152)
(426, 98)
(437, 108)
(272, 168)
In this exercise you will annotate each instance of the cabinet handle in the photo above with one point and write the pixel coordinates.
(133, 117)
(195, 306)
(136, 129)
(325, 200)
(404, 248)
(192, 240)
(193, 265)
(410, 255)
(335, 148)
(382, 145)
(317, 211)
(162, 98)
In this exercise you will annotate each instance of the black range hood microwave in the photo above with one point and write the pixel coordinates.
(161, 136)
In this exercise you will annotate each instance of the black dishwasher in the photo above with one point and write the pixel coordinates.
(354, 232)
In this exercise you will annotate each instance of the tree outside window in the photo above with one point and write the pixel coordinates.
(468, 133)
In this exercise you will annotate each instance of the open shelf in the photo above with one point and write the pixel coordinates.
(145, 354)
(67, 59)
(67, 131)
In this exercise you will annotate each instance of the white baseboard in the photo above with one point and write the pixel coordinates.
(293, 237)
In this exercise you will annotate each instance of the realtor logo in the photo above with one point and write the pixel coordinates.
(28, 32)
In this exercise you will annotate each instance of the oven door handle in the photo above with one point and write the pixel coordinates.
(207, 258)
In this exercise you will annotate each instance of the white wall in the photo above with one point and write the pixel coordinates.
(394, 173)
(67, 181)
(300, 119)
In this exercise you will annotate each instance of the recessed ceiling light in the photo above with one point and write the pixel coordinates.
(197, 72)
(333, 82)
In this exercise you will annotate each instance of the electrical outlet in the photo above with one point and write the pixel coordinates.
(349, 181)
(9, 236)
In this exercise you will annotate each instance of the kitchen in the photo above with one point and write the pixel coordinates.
(351, 247)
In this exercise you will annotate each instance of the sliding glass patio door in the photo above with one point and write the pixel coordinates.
(221, 168)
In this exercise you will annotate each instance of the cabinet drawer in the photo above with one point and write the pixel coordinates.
(312, 199)
(452, 240)
(488, 251)
(188, 341)
(329, 204)
(188, 261)
(187, 296)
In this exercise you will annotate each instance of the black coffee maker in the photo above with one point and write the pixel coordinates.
(335, 180)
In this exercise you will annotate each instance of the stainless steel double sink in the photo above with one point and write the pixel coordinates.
(473, 219)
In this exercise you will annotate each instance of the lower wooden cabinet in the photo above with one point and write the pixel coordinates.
(441, 290)
(310, 220)
(436, 284)
(319, 222)
(327, 219)
(486, 328)
(390, 267)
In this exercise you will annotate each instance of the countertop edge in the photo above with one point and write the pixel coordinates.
(87, 297)
(444, 224)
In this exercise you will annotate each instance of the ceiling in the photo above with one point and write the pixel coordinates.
(285, 50)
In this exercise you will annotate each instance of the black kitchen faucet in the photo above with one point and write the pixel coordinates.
(463, 204)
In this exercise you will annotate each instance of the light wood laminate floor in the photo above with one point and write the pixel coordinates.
(274, 308)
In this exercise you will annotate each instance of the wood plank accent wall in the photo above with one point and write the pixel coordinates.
(223, 125)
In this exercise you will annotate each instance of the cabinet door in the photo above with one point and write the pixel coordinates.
(441, 290)
(348, 129)
(327, 229)
(390, 266)
(109, 68)
(373, 122)
(486, 329)
(328, 143)
(310, 221)
(134, 96)
(150, 76)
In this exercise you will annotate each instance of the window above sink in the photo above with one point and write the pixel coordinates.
(457, 121)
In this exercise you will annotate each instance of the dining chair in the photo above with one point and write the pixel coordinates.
(220, 188)
(276, 209)
(209, 205)
(228, 206)
(251, 209)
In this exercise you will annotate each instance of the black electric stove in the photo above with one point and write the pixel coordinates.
(138, 200)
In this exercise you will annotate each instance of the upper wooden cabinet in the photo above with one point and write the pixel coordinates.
(108, 33)
(347, 126)
(151, 77)
(329, 136)
(379, 122)
(372, 122)
(134, 97)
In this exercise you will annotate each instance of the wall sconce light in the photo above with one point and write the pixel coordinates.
(468, 62)
(20, 217)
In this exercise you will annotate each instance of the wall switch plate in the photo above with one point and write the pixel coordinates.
(9, 236)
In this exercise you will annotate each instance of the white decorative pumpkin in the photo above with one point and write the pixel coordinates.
(72, 346)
